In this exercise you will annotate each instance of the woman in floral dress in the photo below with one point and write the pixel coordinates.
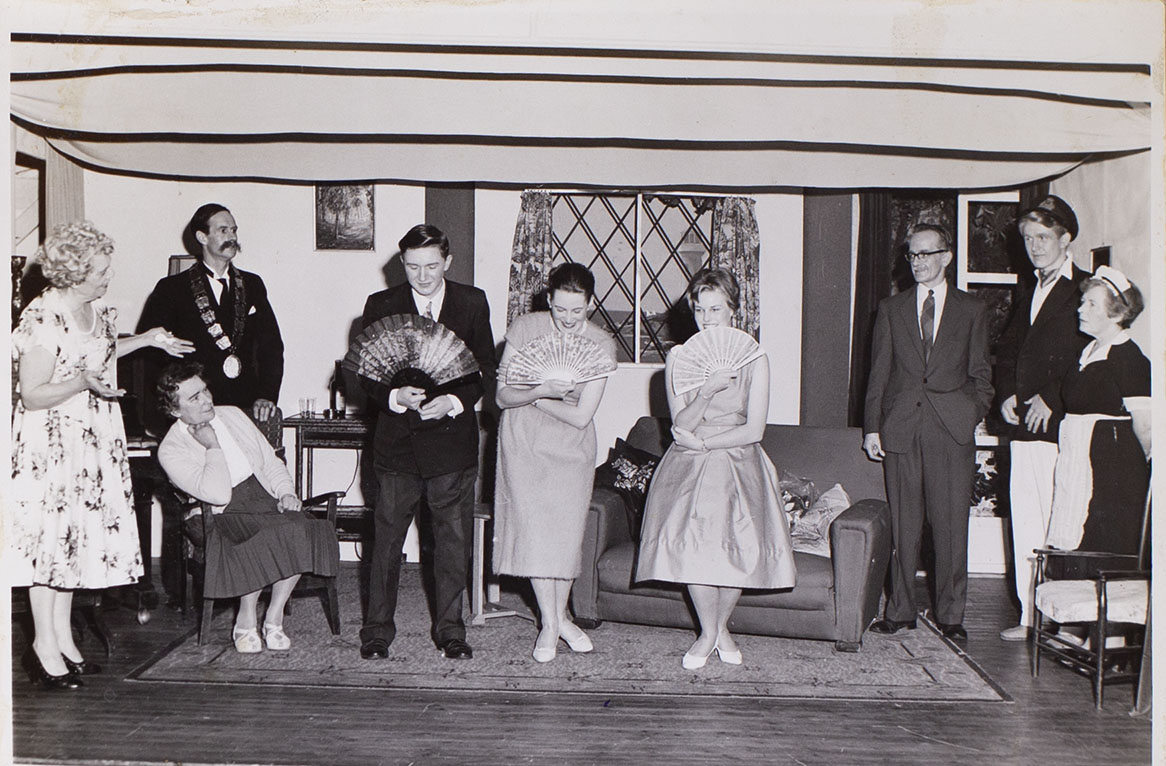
(71, 521)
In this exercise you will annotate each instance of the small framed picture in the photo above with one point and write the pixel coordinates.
(344, 217)
(989, 247)
(1099, 256)
(179, 264)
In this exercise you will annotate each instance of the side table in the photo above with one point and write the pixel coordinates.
(484, 590)
(313, 433)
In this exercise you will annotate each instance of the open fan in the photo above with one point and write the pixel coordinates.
(411, 350)
(717, 348)
(558, 356)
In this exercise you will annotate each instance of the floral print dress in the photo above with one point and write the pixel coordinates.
(71, 521)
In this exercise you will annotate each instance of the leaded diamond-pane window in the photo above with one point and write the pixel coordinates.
(643, 250)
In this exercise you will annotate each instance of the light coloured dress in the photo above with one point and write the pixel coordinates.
(545, 472)
(71, 522)
(715, 517)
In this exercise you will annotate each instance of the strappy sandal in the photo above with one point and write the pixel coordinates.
(275, 638)
(246, 641)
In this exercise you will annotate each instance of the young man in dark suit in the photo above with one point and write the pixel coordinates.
(426, 449)
(225, 313)
(930, 384)
(1041, 343)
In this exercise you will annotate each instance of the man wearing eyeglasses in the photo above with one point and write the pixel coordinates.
(930, 384)
(1039, 346)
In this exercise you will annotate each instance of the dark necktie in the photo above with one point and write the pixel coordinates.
(927, 323)
(429, 311)
(225, 294)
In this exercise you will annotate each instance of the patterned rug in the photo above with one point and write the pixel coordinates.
(916, 665)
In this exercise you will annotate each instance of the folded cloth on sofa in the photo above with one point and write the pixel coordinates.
(797, 492)
(810, 529)
(628, 471)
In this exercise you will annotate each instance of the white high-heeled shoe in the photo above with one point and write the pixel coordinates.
(579, 641)
(728, 657)
(542, 653)
(692, 661)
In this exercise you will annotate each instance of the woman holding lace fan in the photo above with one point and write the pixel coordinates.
(714, 518)
(546, 448)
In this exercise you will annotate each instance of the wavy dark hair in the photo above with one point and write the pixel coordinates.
(168, 382)
(572, 277)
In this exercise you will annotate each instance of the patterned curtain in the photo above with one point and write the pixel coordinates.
(530, 259)
(737, 248)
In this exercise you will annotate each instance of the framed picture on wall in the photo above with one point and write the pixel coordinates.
(344, 217)
(179, 263)
(989, 246)
(1099, 256)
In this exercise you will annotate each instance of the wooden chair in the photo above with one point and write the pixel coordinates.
(1109, 594)
(323, 505)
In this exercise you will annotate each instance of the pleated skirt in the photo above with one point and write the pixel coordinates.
(251, 544)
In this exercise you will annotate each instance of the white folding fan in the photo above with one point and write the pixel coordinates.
(410, 350)
(717, 348)
(558, 356)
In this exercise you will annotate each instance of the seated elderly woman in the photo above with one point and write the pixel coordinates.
(259, 536)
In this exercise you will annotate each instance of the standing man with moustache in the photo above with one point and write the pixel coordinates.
(225, 313)
(426, 451)
(930, 385)
(1040, 345)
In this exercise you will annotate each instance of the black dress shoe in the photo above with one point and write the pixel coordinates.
(38, 675)
(82, 668)
(374, 649)
(457, 649)
(954, 631)
(889, 627)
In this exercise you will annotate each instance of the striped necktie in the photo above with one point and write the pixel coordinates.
(927, 323)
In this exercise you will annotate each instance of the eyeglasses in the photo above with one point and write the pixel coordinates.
(912, 257)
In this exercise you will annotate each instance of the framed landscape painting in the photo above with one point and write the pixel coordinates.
(344, 217)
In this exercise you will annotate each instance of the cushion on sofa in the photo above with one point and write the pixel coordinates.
(810, 529)
(628, 471)
(797, 492)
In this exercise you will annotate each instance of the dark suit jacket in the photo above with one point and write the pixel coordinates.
(1034, 358)
(955, 382)
(171, 305)
(404, 443)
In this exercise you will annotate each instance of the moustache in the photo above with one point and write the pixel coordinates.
(233, 244)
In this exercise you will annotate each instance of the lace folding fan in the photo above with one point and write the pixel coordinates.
(558, 356)
(411, 350)
(717, 348)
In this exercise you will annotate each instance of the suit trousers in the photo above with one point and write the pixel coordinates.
(1030, 489)
(450, 499)
(932, 480)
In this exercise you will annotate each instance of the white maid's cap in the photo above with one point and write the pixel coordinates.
(1114, 279)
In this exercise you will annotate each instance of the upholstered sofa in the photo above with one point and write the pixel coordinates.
(835, 598)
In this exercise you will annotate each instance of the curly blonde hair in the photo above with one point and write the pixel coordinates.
(66, 257)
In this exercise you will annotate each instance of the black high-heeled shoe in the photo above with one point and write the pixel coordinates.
(82, 668)
(38, 675)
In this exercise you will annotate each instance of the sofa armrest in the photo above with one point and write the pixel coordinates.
(860, 551)
(606, 526)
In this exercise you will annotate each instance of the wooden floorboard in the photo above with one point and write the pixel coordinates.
(1051, 719)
